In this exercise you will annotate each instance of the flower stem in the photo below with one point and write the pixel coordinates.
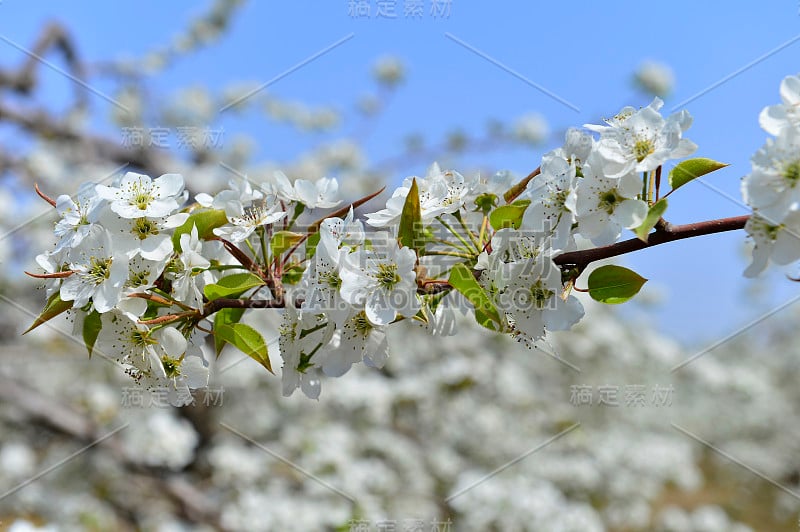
(457, 216)
(450, 254)
(454, 232)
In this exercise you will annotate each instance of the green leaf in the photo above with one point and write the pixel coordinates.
(484, 320)
(462, 279)
(232, 285)
(410, 233)
(293, 275)
(653, 215)
(223, 317)
(486, 202)
(311, 245)
(508, 215)
(283, 241)
(247, 340)
(206, 221)
(91, 328)
(53, 308)
(690, 169)
(614, 284)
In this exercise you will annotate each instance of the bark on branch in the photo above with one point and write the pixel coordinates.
(669, 233)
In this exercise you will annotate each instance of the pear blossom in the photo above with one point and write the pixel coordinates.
(99, 274)
(439, 193)
(441, 319)
(773, 186)
(383, 283)
(359, 339)
(323, 193)
(603, 205)
(548, 212)
(774, 118)
(142, 274)
(239, 192)
(324, 283)
(334, 232)
(578, 145)
(173, 368)
(655, 77)
(779, 243)
(122, 338)
(137, 195)
(245, 220)
(640, 141)
(529, 292)
(150, 238)
(52, 262)
(117, 249)
(322, 276)
(302, 335)
(185, 270)
(78, 217)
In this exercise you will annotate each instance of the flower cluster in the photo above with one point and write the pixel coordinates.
(772, 189)
(149, 276)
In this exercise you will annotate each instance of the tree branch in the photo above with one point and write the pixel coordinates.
(669, 233)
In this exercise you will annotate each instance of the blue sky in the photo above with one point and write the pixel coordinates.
(583, 52)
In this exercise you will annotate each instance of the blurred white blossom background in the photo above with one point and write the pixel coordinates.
(468, 432)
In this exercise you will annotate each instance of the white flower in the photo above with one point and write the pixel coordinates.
(334, 232)
(239, 191)
(52, 262)
(99, 274)
(124, 339)
(640, 141)
(187, 284)
(78, 218)
(137, 195)
(439, 193)
(324, 282)
(301, 337)
(498, 183)
(245, 220)
(441, 321)
(323, 193)
(150, 238)
(458, 189)
(654, 77)
(531, 128)
(772, 187)
(779, 243)
(359, 340)
(142, 273)
(604, 205)
(173, 368)
(777, 117)
(548, 213)
(154, 358)
(530, 293)
(385, 285)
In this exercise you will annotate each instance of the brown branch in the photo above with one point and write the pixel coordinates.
(572, 260)
(669, 233)
(40, 123)
(218, 304)
(24, 79)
